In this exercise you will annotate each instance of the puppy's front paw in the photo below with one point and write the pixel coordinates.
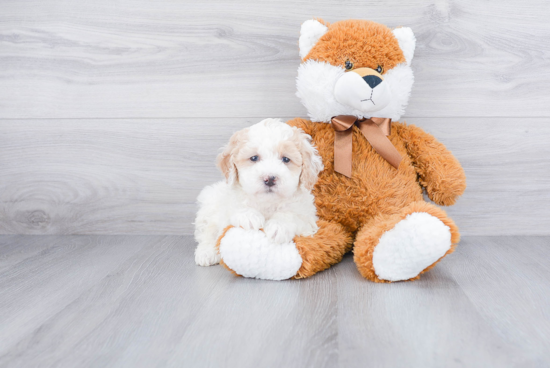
(248, 219)
(206, 256)
(278, 232)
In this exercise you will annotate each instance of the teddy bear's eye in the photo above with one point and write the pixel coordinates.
(286, 160)
(380, 70)
(349, 65)
(254, 158)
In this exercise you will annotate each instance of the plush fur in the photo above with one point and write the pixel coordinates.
(379, 212)
(377, 193)
(280, 262)
(261, 190)
(365, 45)
(372, 237)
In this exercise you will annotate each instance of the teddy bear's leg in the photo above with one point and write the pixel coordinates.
(250, 253)
(322, 250)
(404, 245)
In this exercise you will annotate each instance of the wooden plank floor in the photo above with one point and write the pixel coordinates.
(139, 301)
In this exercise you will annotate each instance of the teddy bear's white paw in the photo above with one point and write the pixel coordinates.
(252, 254)
(248, 219)
(278, 232)
(206, 256)
(414, 243)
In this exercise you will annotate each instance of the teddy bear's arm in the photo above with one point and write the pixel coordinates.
(438, 170)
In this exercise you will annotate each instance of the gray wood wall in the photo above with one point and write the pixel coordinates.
(111, 112)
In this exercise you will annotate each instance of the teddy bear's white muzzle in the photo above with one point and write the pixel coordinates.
(366, 94)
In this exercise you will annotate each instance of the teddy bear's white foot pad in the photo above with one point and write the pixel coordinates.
(414, 243)
(251, 254)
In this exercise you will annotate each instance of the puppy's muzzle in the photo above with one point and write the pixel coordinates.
(270, 181)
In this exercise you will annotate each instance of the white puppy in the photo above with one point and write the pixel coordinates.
(270, 169)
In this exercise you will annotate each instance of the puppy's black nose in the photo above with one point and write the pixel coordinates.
(372, 80)
(270, 181)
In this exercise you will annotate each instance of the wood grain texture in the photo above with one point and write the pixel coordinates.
(508, 287)
(426, 324)
(139, 301)
(139, 176)
(125, 59)
(66, 266)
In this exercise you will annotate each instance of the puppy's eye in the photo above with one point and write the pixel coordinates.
(286, 160)
(254, 158)
(380, 70)
(349, 65)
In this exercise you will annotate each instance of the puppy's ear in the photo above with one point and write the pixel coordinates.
(226, 159)
(312, 164)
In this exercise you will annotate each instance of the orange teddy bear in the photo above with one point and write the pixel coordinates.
(354, 80)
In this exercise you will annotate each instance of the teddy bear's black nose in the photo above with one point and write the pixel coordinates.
(372, 80)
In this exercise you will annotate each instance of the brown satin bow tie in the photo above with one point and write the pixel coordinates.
(375, 131)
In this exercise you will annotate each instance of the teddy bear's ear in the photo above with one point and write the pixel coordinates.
(407, 42)
(310, 33)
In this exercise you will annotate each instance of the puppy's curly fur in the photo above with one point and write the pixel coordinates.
(379, 211)
(270, 170)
